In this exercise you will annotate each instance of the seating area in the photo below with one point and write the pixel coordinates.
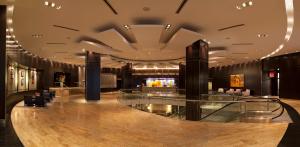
(39, 99)
(238, 91)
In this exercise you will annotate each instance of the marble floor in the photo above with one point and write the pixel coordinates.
(70, 121)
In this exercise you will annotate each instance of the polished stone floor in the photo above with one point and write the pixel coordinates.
(74, 122)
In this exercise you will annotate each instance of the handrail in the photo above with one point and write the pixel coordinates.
(282, 110)
(216, 111)
(239, 100)
(212, 101)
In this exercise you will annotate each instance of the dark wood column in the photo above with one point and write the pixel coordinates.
(92, 76)
(181, 84)
(2, 60)
(196, 77)
(181, 79)
(127, 76)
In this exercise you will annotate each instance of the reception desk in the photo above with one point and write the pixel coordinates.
(67, 91)
(158, 89)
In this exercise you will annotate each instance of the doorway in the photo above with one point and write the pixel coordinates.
(275, 82)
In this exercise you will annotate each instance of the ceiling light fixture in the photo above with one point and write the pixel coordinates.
(9, 21)
(10, 8)
(37, 35)
(168, 26)
(52, 5)
(46, 3)
(289, 6)
(58, 7)
(83, 50)
(126, 27)
(262, 35)
(244, 5)
(156, 68)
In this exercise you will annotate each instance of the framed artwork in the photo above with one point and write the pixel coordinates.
(32, 77)
(11, 73)
(237, 80)
(22, 73)
(22, 82)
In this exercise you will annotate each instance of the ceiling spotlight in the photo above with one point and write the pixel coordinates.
(244, 5)
(9, 21)
(58, 7)
(250, 3)
(10, 8)
(262, 35)
(46, 3)
(83, 50)
(126, 27)
(37, 35)
(52, 5)
(168, 26)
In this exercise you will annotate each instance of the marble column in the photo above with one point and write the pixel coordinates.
(92, 76)
(196, 78)
(3, 83)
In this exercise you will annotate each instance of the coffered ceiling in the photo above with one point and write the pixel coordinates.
(152, 31)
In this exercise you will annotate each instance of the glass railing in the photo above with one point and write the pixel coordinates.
(214, 107)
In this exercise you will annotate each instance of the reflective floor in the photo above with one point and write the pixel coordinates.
(71, 121)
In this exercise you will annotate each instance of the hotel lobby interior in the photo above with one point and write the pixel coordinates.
(178, 73)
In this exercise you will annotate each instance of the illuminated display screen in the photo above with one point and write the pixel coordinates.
(160, 82)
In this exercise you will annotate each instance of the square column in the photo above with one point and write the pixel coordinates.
(3, 91)
(196, 78)
(92, 76)
(127, 76)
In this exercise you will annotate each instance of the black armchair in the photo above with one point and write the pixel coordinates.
(39, 101)
(28, 100)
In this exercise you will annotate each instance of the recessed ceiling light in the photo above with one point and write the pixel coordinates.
(126, 27)
(58, 7)
(83, 50)
(37, 35)
(250, 3)
(46, 3)
(10, 8)
(9, 21)
(262, 35)
(168, 26)
(238, 7)
(52, 5)
(244, 5)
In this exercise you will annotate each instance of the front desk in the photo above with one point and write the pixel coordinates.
(67, 91)
(158, 89)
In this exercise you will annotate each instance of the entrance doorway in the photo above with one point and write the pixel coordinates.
(275, 82)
